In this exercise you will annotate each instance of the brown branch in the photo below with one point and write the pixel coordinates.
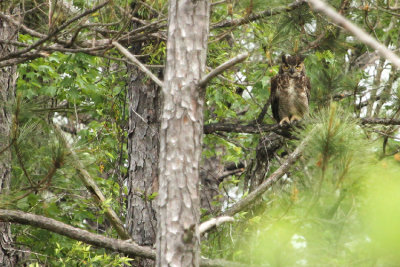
(133, 59)
(21, 26)
(272, 179)
(382, 121)
(127, 247)
(238, 128)
(53, 33)
(61, 228)
(257, 16)
(364, 37)
(221, 68)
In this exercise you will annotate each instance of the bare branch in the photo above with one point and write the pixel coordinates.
(132, 58)
(61, 228)
(21, 26)
(205, 226)
(54, 32)
(381, 121)
(221, 68)
(364, 37)
(272, 179)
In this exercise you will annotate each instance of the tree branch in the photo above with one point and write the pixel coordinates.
(253, 17)
(364, 37)
(221, 68)
(127, 247)
(133, 59)
(207, 225)
(381, 121)
(238, 128)
(54, 32)
(272, 179)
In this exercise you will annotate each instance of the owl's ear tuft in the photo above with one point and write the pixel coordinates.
(301, 58)
(284, 58)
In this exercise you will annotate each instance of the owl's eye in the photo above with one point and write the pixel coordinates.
(298, 67)
(285, 67)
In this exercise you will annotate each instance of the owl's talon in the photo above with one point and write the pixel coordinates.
(295, 118)
(286, 119)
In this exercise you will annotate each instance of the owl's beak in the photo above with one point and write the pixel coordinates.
(291, 71)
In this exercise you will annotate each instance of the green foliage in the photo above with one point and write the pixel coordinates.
(337, 207)
(82, 255)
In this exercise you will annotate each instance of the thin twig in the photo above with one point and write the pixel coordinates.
(133, 59)
(221, 68)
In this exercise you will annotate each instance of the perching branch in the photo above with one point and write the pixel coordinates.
(364, 37)
(207, 225)
(127, 247)
(272, 179)
(253, 17)
(240, 128)
(221, 68)
(133, 59)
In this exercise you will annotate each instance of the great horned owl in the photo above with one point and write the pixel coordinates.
(290, 90)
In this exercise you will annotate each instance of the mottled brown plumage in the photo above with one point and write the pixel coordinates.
(290, 90)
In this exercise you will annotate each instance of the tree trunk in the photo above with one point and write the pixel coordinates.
(178, 241)
(8, 77)
(143, 147)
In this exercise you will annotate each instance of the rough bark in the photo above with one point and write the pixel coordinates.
(211, 169)
(178, 241)
(143, 147)
(8, 77)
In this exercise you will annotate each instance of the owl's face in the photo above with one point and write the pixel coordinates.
(292, 66)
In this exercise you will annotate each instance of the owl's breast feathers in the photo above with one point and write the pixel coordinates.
(289, 97)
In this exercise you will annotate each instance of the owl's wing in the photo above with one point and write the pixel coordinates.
(308, 84)
(274, 98)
